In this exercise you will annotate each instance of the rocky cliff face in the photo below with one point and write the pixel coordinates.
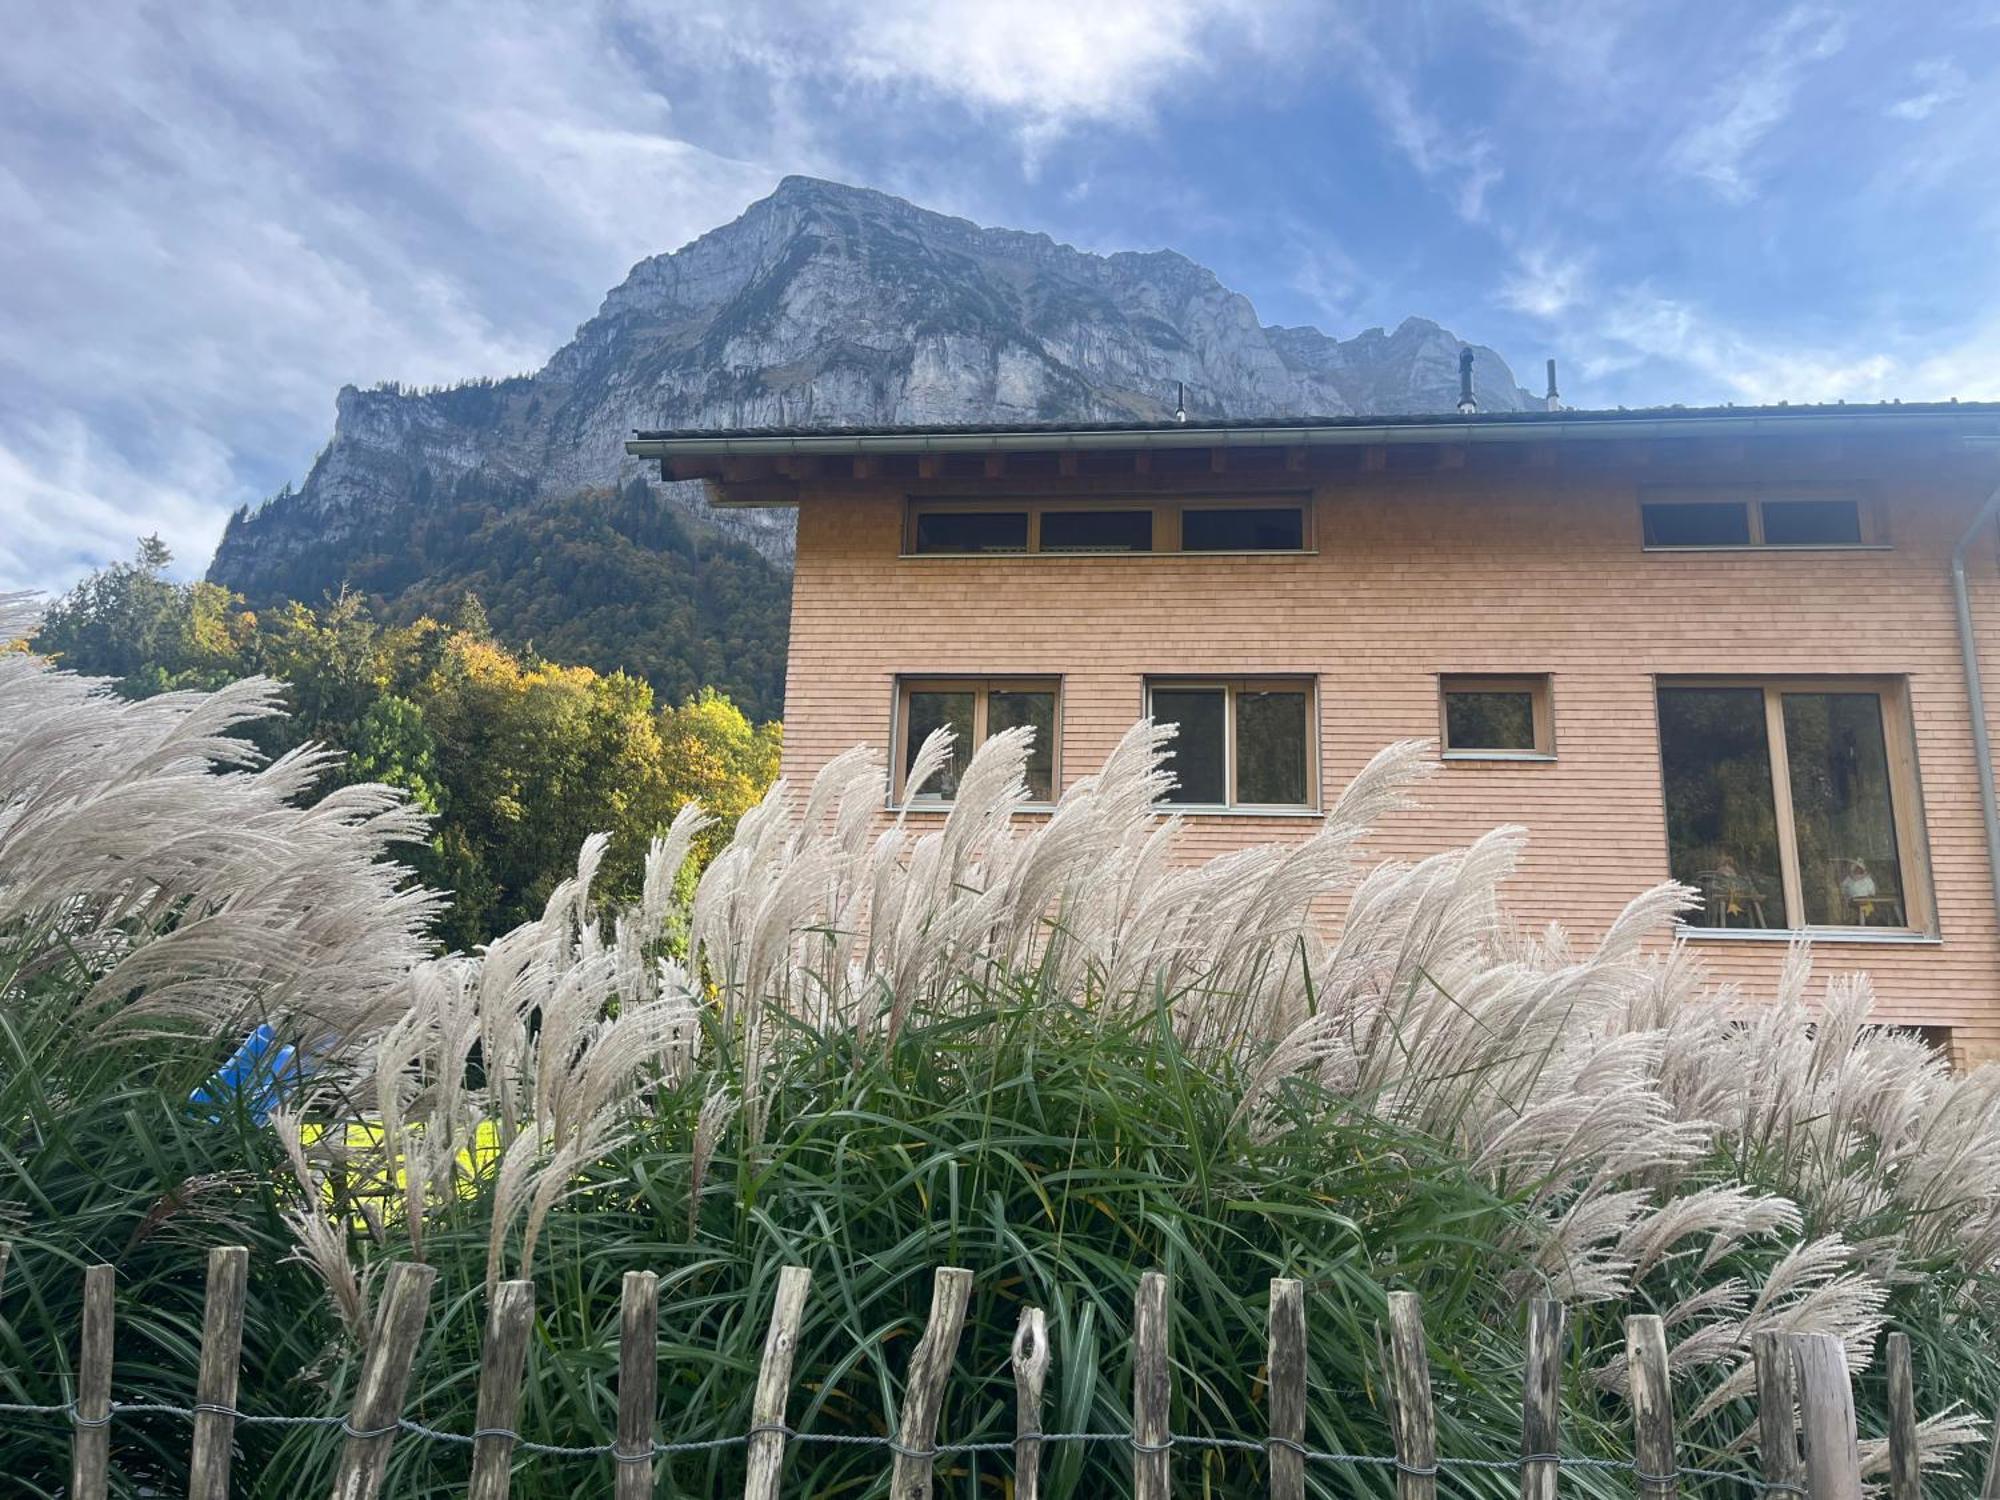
(827, 305)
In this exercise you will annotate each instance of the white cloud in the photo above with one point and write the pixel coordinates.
(1741, 112)
(71, 503)
(1544, 284)
(1709, 359)
(210, 219)
(1936, 81)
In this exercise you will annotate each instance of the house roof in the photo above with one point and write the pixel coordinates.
(1941, 418)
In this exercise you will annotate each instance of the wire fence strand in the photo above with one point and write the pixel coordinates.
(659, 1449)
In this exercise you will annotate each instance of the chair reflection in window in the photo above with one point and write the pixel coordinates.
(1866, 903)
(1730, 898)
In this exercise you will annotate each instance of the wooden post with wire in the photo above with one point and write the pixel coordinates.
(90, 1445)
(1777, 1413)
(774, 1380)
(923, 1393)
(638, 1383)
(1541, 1400)
(1826, 1412)
(502, 1360)
(1031, 1369)
(221, 1368)
(1152, 1391)
(1411, 1412)
(384, 1383)
(1286, 1367)
(1653, 1448)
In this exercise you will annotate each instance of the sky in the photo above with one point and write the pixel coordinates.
(213, 216)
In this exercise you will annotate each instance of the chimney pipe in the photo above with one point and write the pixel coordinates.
(1467, 405)
(1552, 400)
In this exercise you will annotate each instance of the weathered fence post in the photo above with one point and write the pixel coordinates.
(509, 1321)
(90, 1444)
(1541, 1400)
(1287, 1368)
(1905, 1477)
(774, 1380)
(1410, 1409)
(1652, 1406)
(923, 1392)
(221, 1365)
(638, 1383)
(1031, 1369)
(1152, 1390)
(1777, 1411)
(385, 1381)
(1826, 1409)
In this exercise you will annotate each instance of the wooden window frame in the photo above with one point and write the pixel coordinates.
(1753, 498)
(1229, 687)
(981, 688)
(1906, 803)
(1166, 513)
(1538, 685)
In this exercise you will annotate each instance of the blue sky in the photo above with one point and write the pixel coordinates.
(212, 216)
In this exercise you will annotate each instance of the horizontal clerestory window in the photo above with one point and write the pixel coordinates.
(1114, 525)
(1672, 519)
(974, 709)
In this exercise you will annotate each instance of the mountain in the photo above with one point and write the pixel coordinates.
(821, 305)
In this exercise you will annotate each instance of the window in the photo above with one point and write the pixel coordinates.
(972, 531)
(1497, 718)
(1243, 529)
(973, 709)
(1241, 744)
(1097, 531)
(1677, 518)
(1122, 525)
(1792, 804)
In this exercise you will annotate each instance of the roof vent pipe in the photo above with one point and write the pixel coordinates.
(1552, 400)
(1180, 400)
(1466, 404)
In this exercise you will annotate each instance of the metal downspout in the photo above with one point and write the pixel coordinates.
(1968, 646)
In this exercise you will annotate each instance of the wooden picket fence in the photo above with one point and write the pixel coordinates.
(1808, 1443)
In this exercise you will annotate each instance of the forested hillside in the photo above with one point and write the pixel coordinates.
(516, 755)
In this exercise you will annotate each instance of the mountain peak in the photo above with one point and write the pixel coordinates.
(825, 303)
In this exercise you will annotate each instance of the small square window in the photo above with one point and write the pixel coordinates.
(1497, 718)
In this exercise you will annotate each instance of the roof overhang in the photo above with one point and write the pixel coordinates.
(768, 466)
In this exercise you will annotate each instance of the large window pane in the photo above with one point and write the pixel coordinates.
(1722, 823)
(1271, 737)
(1037, 710)
(1698, 523)
(1097, 531)
(1196, 754)
(1479, 719)
(1244, 529)
(1812, 523)
(972, 531)
(932, 711)
(1849, 872)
